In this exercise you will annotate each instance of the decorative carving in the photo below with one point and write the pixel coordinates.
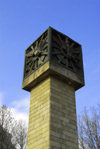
(66, 52)
(36, 54)
(57, 48)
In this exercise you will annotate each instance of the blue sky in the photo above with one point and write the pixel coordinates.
(22, 21)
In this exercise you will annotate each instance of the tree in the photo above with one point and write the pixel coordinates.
(89, 129)
(20, 134)
(5, 139)
(6, 128)
(16, 129)
(6, 119)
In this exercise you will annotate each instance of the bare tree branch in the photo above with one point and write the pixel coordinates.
(17, 130)
(89, 129)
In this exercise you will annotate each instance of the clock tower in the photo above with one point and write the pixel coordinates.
(53, 71)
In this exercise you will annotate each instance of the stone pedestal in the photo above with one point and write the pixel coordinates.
(53, 70)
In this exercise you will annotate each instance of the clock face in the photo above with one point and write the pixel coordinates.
(62, 51)
(36, 55)
(66, 52)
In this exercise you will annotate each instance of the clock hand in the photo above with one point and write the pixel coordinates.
(30, 54)
(44, 52)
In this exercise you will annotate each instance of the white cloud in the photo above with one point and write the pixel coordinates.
(20, 115)
(22, 104)
(21, 108)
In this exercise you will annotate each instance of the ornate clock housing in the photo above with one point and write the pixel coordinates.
(59, 51)
(66, 52)
(36, 54)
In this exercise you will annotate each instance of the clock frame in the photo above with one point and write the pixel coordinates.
(58, 49)
(36, 54)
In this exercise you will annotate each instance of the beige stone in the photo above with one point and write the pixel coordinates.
(52, 118)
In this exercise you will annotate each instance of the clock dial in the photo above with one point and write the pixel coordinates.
(57, 48)
(36, 55)
(66, 52)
